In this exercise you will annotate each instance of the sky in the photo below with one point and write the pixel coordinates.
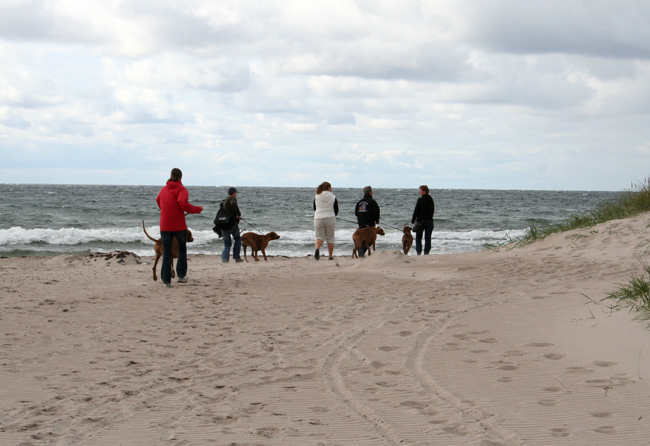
(469, 94)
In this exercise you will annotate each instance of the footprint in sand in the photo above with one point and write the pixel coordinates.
(554, 356)
(387, 348)
(605, 363)
(560, 432)
(601, 415)
(508, 367)
(513, 353)
(547, 403)
(606, 430)
(541, 344)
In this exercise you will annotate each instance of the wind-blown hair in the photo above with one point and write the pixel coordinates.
(323, 186)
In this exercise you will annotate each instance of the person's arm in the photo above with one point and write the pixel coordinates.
(375, 211)
(185, 205)
(235, 209)
(416, 211)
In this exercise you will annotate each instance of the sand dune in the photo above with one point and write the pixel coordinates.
(492, 348)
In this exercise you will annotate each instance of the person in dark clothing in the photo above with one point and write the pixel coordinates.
(423, 220)
(231, 207)
(367, 212)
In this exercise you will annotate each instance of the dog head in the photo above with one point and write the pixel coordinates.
(380, 231)
(407, 230)
(189, 236)
(273, 236)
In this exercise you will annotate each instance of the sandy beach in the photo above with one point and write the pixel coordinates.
(508, 347)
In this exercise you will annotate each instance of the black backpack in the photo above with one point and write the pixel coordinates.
(223, 220)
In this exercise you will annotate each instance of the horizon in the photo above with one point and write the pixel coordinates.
(415, 188)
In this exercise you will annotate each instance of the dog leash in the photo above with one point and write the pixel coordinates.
(381, 224)
(244, 220)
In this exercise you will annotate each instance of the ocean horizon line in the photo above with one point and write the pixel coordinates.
(415, 187)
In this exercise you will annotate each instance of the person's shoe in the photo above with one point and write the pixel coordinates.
(182, 280)
(168, 285)
(331, 258)
(239, 260)
(317, 254)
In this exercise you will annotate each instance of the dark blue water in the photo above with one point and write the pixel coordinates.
(60, 219)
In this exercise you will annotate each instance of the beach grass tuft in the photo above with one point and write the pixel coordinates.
(635, 294)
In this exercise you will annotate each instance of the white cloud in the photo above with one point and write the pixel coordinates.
(467, 92)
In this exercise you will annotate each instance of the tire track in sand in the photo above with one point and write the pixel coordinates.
(415, 364)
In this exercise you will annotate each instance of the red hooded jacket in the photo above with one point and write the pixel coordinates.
(173, 203)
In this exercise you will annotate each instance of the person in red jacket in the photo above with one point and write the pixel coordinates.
(173, 203)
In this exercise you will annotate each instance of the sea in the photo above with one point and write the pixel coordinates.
(52, 220)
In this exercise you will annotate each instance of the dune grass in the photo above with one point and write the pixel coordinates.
(631, 202)
(635, 294)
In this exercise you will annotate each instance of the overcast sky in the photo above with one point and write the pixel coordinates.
(535, 94)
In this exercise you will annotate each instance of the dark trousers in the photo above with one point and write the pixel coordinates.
(427, 229)
(181, 263)
(227, 243)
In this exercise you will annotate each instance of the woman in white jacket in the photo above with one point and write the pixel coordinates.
(326, 208)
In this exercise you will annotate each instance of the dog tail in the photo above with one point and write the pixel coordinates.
(147, 234)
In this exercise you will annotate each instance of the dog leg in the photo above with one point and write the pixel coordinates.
(264, 254)
(155, 264)
(245, 258)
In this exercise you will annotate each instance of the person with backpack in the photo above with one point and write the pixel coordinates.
(230, 227)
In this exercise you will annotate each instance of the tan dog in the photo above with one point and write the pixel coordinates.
(407, 239)
(158, 249)
(368, 235)
(257, 243)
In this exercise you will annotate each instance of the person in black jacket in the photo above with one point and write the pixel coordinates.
(232, 208)
(367, 212)
(423, 220)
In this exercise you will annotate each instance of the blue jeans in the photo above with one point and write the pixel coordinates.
(227, 243)
(427, 229)
(167, 238)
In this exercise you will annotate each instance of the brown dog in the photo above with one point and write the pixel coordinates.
(407, 239)
(368, 235)
(257, 243)
(158, 249)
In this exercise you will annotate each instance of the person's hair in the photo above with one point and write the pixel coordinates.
(323, 186)
(425, 188)
(367, 190)
(176, 174)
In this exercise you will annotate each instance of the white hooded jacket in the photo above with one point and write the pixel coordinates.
(324, 205)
